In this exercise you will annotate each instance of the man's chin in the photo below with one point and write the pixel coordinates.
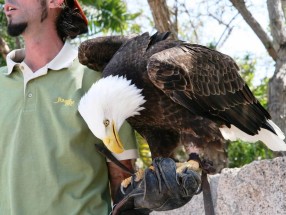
(15, 30)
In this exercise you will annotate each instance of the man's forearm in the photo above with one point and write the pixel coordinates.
(117, 175)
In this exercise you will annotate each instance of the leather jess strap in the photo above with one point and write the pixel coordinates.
(105, 152)
(208, 203)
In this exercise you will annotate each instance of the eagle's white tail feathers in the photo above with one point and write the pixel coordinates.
(272, 141)
(277, 129)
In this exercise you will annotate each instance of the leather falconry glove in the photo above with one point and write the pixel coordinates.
(162, 188)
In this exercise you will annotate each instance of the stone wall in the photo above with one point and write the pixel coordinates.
(257, 188)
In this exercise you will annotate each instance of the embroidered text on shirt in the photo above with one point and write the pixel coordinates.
(67, 102)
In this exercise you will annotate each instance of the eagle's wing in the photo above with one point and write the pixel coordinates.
(96, 53)
(207, 83)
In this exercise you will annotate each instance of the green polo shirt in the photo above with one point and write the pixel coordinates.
(48, 162)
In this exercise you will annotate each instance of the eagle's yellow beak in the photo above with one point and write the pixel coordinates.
(112, 140)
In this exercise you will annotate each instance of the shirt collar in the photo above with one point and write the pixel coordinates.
(62, 60)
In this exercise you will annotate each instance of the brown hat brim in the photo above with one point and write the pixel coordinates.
(77, 5)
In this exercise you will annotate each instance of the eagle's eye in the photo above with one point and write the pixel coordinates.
(106, 122)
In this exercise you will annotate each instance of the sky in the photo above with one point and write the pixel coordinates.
(241, 41)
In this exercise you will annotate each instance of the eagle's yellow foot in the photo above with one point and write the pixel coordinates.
(138, 176)
(126, 182)
(152, 168)
(191, 164)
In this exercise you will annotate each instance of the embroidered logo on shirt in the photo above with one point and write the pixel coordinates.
(66, 102)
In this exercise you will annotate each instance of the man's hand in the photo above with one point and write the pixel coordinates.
(117, 175)
(162, 188)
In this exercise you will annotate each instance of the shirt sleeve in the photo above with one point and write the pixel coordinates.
(127, 136)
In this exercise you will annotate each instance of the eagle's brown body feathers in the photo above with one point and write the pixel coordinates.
(190, 91)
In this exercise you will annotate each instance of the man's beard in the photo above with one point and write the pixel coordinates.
(15, 30)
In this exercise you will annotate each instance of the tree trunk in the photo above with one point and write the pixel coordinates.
(162, 18)
(277, 84)
(277, 91)
(4, 49)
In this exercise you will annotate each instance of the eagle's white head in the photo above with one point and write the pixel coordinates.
(107, 104)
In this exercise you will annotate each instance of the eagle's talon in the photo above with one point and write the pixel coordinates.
(139, 175)
(130, 180)
(126, 182)
(152, 168)
(191, 164)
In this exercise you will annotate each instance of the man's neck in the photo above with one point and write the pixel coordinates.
(41, 48)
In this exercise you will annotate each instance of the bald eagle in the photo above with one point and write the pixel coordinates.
(173, 93)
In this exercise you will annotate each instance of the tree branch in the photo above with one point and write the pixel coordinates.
(228, 29)
(256, 27)
(190, 22)
(277, 21)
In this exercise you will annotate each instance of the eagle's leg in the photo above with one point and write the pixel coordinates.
(197, 164)
(161, 145)
(194, 161)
